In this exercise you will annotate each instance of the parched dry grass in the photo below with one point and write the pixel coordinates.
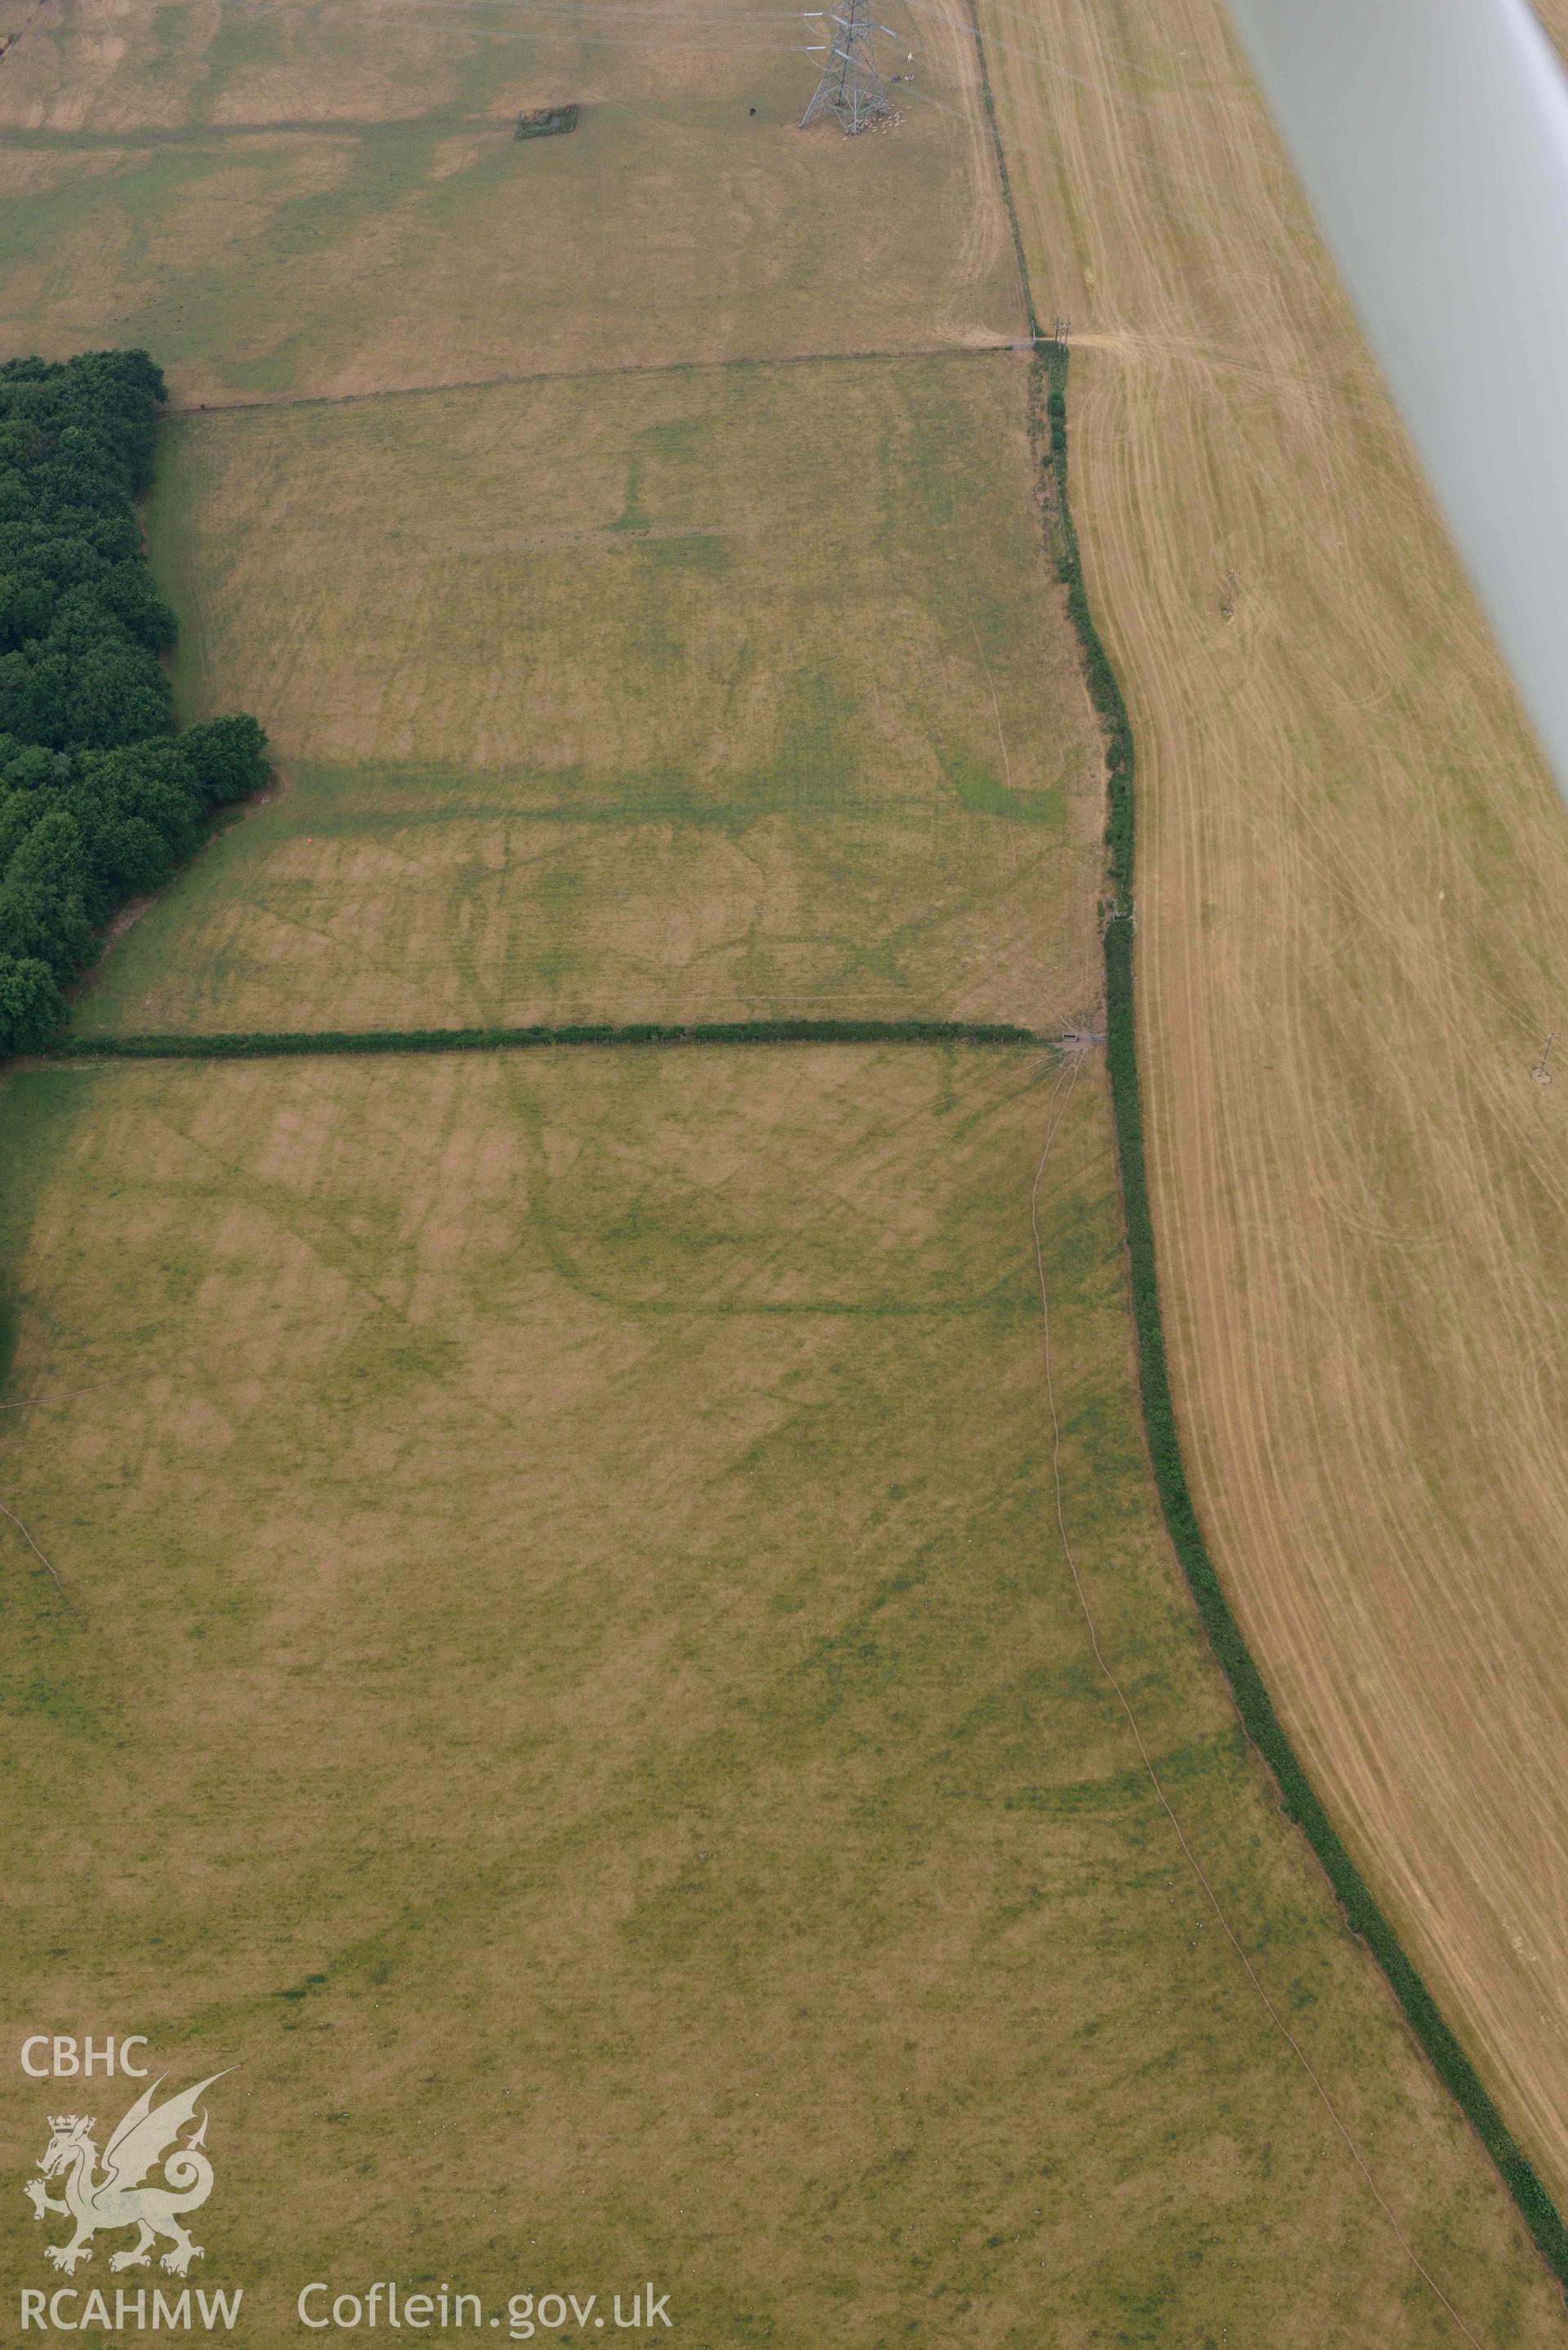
(1353, 938)
(582, 1698)
(713, 694)
(99, 68)
(305, 199)
(581, 1694)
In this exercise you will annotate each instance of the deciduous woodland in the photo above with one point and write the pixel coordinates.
(100, 795)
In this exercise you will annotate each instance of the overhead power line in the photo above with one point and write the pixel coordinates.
(851, 88)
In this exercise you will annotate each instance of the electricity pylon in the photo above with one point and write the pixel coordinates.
(851, 88)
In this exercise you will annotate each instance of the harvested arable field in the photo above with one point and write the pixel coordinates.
(585, 1627)
(1353, 943)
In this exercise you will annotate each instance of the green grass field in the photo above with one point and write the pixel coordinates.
(420, 243)
(581, 1695)
(582, 1698)
(613, 716)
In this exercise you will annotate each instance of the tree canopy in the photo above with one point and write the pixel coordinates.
(101, 795)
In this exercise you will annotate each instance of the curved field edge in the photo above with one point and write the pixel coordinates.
(1262, 1724)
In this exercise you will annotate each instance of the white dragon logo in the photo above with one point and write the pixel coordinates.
(119, 2200)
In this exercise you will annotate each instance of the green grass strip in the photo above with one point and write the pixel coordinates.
(1262, 1724)
(283, 1044)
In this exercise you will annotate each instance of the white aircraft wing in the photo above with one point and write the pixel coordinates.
(1431, 136)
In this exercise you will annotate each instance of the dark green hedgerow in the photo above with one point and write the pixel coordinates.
(1262, 1724)
(263, 1045)
(1051, 376)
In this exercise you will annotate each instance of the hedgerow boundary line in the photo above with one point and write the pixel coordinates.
(1261, 1723)
(268, 1045)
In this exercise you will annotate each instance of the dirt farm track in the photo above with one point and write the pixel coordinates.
(1352, 941)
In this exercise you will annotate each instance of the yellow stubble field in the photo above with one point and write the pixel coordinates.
(1352, 943)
